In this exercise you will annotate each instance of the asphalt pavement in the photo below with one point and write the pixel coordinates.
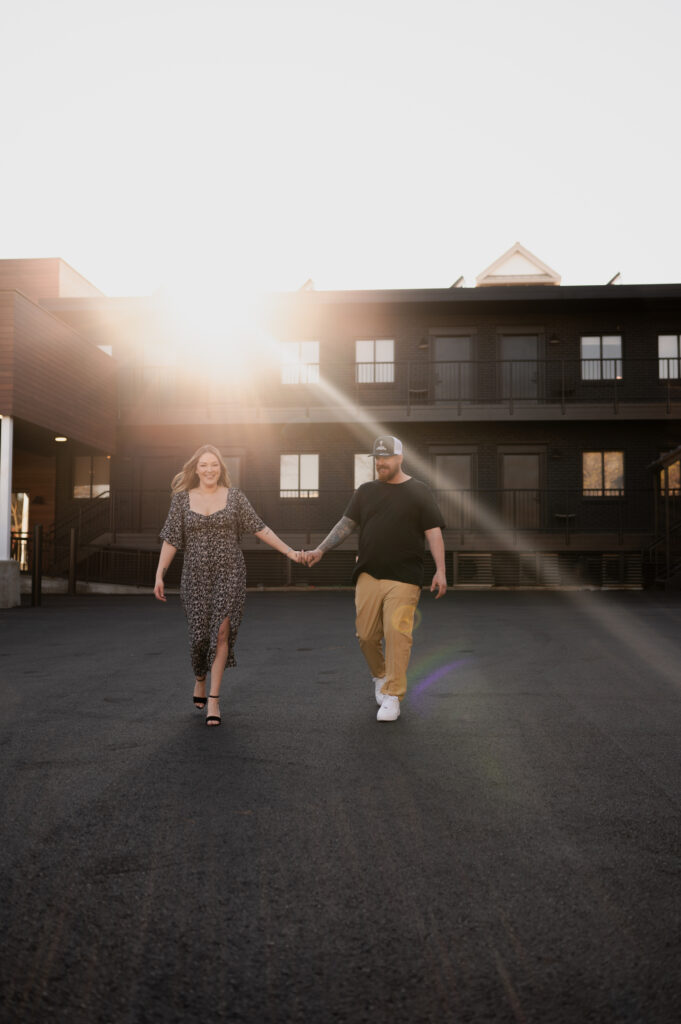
(508, 851)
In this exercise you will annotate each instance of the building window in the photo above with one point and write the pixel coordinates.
(91, 476)
(300, 362)
(673, 481)
(603, 474)
(669, 353)
(375, 361)
(602, 357)
(365, 469)
(299, 476)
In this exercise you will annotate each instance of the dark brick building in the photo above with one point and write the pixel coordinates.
(538, 412)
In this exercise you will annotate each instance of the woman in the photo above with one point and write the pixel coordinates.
(206, 519)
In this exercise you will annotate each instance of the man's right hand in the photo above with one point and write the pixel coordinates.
(312, 557)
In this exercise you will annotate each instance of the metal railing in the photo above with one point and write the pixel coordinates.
(89, 516)
(665, 551)
(562, 511)
(483, 518)
(462, 383)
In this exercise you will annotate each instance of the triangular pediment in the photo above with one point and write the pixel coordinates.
(517, 266)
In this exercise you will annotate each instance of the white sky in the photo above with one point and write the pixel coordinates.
(363, 143)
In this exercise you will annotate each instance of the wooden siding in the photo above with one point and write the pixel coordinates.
(6, 353)
(35, 278)
(54, 378)
(74, 285)
(44, 279)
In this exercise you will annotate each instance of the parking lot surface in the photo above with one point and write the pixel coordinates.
(509, 850)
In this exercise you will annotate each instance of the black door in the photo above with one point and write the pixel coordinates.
(521, 495)
(519, 355)
(453, 375)
(453, 489)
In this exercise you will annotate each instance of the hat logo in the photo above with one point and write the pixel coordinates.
(387, 446)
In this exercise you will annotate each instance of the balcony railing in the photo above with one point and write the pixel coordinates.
(512, 384)
(490, 520)
(560, 511)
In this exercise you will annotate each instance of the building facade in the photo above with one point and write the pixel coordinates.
(546, 418)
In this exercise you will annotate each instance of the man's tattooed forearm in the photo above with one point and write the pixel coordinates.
(343, 528)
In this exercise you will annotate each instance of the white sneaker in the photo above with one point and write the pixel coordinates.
(378, 686)
(389, 710)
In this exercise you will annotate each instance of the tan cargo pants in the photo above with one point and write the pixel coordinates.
(385, 612)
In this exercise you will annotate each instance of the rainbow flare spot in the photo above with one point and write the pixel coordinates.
(429, 669)
(438, 673)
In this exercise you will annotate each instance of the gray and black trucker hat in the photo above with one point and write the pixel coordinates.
(387, 446)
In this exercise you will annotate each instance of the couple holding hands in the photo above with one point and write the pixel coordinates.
(394, 516)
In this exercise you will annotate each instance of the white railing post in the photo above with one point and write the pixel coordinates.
(6, 439)
(10, 587)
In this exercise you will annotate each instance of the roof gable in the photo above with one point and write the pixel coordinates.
(517, 266)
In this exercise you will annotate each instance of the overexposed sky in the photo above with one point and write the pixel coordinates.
(362, 143)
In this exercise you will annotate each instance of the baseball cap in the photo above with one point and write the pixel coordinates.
(387, 446)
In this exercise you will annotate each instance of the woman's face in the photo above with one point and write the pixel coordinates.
(208, 469)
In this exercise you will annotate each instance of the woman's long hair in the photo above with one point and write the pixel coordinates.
(188, 478)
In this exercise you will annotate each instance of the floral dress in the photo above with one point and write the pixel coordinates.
(214, 572)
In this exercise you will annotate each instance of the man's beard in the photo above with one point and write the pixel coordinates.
(386, 473)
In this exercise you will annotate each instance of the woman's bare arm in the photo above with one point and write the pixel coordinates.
(168, 552)
(340, 532)
(269, 537)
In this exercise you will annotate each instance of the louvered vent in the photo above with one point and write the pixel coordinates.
(473, 570)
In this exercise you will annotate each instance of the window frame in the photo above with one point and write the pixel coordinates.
(359, 455)
(614, 493)
(366, 366)
(674, 488)
(669, 359)
(601, 359)
(89, 497)
(305, 371)
(294, 494)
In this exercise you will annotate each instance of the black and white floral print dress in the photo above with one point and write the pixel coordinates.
(214, 572)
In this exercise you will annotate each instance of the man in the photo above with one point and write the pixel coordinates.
(395, 514)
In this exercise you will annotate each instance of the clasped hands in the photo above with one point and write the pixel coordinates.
(310, 558)
(307, 558)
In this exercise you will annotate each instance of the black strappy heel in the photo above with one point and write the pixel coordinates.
(200, 702)
(213, 718)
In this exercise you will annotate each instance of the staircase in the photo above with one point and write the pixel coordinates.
(89, 517)
(663, 558)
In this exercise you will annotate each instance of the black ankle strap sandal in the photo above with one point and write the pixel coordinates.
(200, 702)
(213, 718)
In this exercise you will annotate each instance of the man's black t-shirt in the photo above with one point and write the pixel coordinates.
(392, 520)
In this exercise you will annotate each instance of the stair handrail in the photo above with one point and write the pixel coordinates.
(83, 514)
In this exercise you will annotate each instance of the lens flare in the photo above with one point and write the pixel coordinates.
(404, 619)
(438, 673)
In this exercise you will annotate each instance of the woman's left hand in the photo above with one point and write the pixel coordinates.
(295, 556)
